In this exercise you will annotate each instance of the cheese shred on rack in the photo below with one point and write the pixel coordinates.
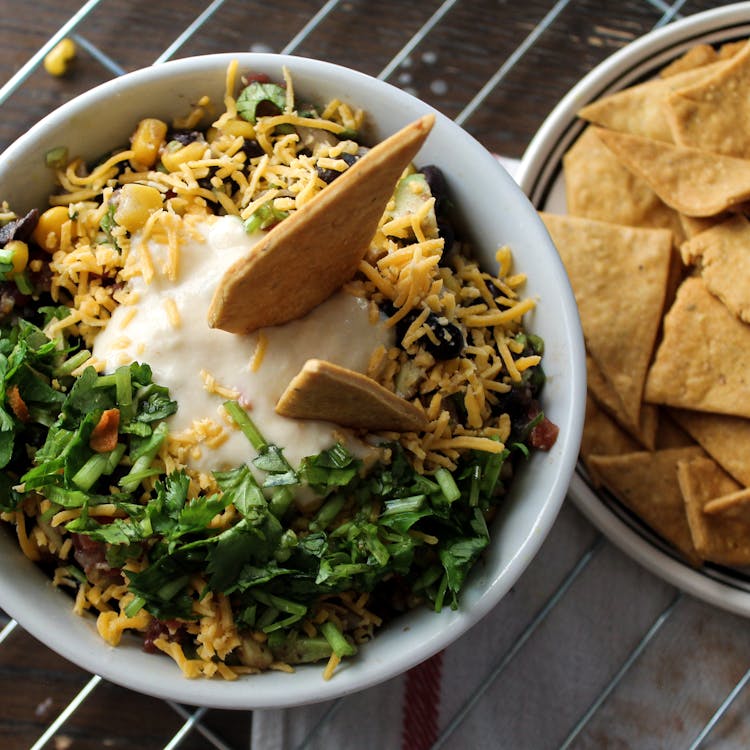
(230, 572)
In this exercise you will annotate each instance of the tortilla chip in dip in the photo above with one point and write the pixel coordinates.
(304, 259)
(619, 276)
(323, 390)
(597, 186)
(703, 361)
(646, 483)
(690, 180)
(721, 537)
(723, 255)
(710, 113)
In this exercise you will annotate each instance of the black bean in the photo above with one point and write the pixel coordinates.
(205, 182)
(252, 149)
(19, 229)
(447, 233)
(492, 287)
(450, 337)
(329, 175)
(184, 136)
(436, 181)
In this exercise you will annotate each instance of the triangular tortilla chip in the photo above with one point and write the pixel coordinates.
(723, 255)
(619, 277)
(602, 436)
(639, 109)
(699, 56)
(671, 434)
(703, 360)
(692, 225)
(691, 181)
(597, 186)
(725, 439)
(308, 256)
(323, 390)
(710, 113)
(646, 483)
(644, 430)
(737, 502)
(723, 538)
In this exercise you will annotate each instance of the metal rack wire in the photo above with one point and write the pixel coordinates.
(193, 718)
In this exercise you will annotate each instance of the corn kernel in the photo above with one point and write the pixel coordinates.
(136, 204)
(48, 230)
(58, 59)
(20, 255)
(239, 127)
(146, 142)
(192, 152)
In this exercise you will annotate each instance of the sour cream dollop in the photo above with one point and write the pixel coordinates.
(167, 328)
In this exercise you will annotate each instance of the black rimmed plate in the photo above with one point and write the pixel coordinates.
(540, 176)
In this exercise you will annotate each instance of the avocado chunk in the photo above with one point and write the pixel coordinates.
(411, 193)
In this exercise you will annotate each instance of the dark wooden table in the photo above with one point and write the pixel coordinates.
(497, 66)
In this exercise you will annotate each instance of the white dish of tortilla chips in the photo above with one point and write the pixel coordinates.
(658, 157)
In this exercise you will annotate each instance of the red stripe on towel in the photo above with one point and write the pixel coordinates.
(419, 727)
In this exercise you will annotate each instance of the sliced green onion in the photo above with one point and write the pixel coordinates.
(56, 158)
(243, 421)
(447, 484)
(72, 363)
(341, 647)
(22, 283)
(132, 609)
(87, 475)
(124, 393)
(146, 454)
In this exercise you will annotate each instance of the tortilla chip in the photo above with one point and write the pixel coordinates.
(730, 49)
(723, 255)
(323, 390)
(597, 186)
(703, 361)
(602, 436)
(736, 503)
(646, 483)
(307, 257)
(640, 109)
(696, 57)
(619, 276)
(722, 538)
(692, 225)
(710, 114)
(692, 181)
(725, 439)
(671, 434)
(644, 431)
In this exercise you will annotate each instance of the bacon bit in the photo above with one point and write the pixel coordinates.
(92, 557)
(17, 404)
(169, 629)
(544, 434)
(104, 436)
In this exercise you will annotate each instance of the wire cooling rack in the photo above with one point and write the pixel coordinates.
(673, 665)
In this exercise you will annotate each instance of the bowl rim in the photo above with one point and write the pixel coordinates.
(539, 164)
(454, 624)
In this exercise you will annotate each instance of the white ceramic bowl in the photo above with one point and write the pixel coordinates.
(496, 212)
(540, 176)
